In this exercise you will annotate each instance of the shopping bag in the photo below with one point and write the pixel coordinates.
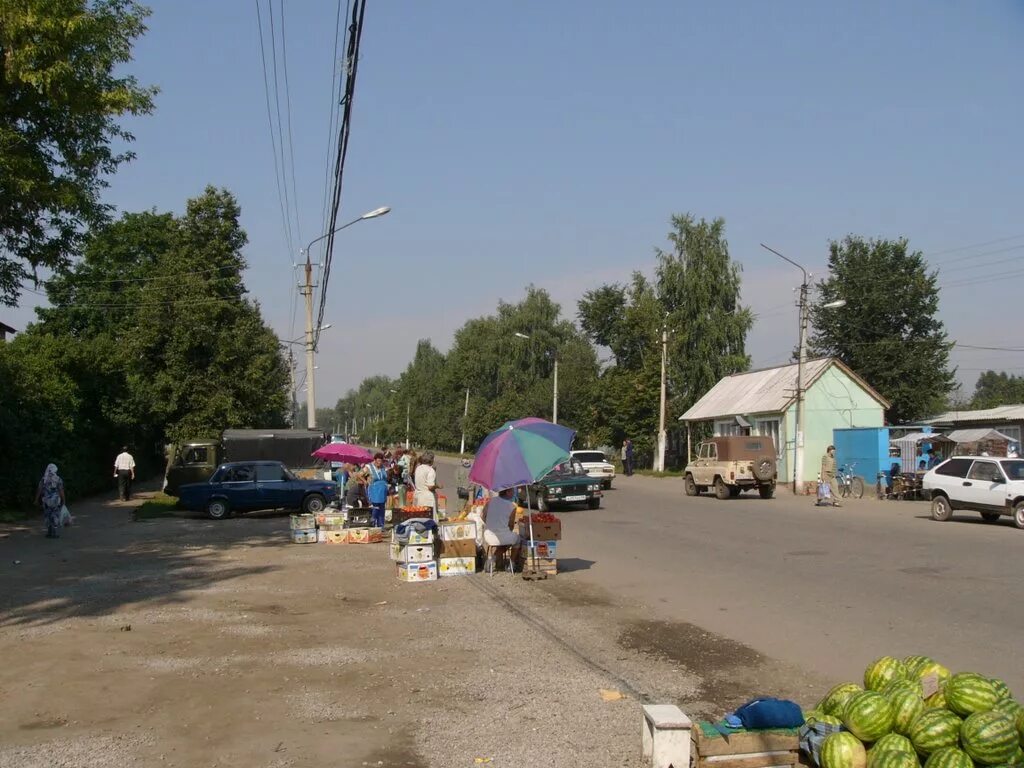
(65, 516)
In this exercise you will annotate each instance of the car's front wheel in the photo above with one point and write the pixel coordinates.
(721, 489)
(942, 510)
(990, 517)
(689, 486)
(1018, 514)
(313, 503)
(594, 503)
(218, 509)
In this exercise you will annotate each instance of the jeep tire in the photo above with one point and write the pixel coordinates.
(766, 491)
(721, 489)
(764, 469)
(689, 487)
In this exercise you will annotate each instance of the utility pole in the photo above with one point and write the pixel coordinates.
(408, 406)
(465, 415)
(554, 407)
(292, 405)
(798, 449)
(659, 463)
(307, 292)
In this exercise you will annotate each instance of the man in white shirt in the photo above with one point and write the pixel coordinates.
(124, 471)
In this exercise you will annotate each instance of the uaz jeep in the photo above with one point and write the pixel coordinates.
(731, 465)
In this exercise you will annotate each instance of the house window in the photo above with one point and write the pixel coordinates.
(730, 427)
(769, 428)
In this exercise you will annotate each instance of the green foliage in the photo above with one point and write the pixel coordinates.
(159, 506)
(995, 389)
(60, 97)
(888, 331)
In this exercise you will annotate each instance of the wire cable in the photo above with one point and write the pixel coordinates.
(280, 124)
(288, 113)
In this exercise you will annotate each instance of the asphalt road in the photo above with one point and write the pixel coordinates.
(827, 589)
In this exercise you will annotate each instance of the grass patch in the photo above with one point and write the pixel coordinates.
(652, 473)
(18, 515)
(159, 506)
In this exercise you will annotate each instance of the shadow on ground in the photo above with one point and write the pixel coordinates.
(105, 562)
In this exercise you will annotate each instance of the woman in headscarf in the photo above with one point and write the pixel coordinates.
(50, 493)
(426, 483)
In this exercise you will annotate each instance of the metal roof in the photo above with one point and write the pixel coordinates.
(769, 390)
(1002, 413)
(976, 435)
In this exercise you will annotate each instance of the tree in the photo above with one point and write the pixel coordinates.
(888, 331)
(59, 103)
(995, 389)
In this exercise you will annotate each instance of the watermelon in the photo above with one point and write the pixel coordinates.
(842, 750)
(835, 699)
(1008, 707)
(906, 707)
(892, 742)
(868, 715)
(989, 737)
(967, 693)
(1002, 689)
(1018, 720)
(892, 758)
(883, 671)
(932, 667)
(914, 686)
(934, 729)
(949, 757)
(937, 700)
(914, 663)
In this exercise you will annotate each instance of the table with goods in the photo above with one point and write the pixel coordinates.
(907, 713)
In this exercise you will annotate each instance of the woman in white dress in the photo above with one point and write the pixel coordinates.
(426, 484)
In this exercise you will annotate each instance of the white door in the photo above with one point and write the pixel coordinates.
(982, 486)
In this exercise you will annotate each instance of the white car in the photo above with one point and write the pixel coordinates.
(597, 466)
(991, 485)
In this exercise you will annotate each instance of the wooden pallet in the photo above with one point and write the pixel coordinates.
(745, 749)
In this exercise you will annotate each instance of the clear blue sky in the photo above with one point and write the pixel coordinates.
(549, 142)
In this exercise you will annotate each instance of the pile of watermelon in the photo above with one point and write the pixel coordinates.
(913, 712)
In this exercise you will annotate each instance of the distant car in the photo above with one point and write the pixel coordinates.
(733, 464)
(993, 486)
(246, 486)
(597, 466)
(568, 483)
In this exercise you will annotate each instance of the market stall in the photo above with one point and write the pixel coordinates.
(982, 441)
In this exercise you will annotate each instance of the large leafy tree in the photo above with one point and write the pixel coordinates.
(61, 96)
(995, 389)
(888, 331)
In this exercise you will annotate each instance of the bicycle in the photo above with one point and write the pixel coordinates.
(850, 485)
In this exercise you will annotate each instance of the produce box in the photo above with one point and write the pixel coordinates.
(336, 537)
(321, 536)
(413, 537)
(300, 536)
(458, 548)
(546, 528)
(456, 566)
(548, 565)
(303, 522)
(744, 749)
(365, 535)
(541, 548)
(417, 571)
(329, 520)
(412, 553)
(457, 530)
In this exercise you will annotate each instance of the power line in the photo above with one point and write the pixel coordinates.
(288, 113)
(335, 105)
(960, 248)
(280, 124)
(172, 276)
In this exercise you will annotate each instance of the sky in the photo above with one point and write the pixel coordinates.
(549, 143)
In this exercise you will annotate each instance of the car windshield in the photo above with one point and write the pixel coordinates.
(568, 468)
(1014, 469)
(589, 456)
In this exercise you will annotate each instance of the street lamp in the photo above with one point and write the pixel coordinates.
(798, 445)
(554, 356)
(307, 292)
(408, 405)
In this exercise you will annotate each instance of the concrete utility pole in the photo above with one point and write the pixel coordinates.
(798, 456)
(408, 406)
(465, 415)
(307, 292)
(554, 407)
(292, 404)
(659, 463)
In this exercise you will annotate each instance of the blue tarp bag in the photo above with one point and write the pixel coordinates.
(770, 713)
(813, 735)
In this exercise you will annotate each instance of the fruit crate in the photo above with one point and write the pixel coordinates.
(775, 748)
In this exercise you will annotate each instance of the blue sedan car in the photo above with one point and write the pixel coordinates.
(246, 486)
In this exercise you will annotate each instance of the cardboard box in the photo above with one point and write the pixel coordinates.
(365, 535)
(329, 520)
(417, 571)
(541, 531)
(459, 548)
(336, 537)
(303, 537)
(303, 522)
(456, 566)
(420, 553)
(321, 536)
(542, 548)
(548, 565)
(457, 530)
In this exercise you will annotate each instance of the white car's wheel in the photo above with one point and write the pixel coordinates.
(1018, 514)
(941, 508)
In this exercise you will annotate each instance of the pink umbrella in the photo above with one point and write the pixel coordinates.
(345, 453)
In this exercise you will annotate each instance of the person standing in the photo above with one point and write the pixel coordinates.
(124, 471)
(627, 457)
(828, 473)
(378, 488)
(50, 493)
(425, 483)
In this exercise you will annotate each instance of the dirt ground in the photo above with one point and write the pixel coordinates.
(187, 642)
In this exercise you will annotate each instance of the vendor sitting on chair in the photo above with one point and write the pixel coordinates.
(499, 518)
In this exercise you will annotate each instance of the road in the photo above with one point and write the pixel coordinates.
(826, 589)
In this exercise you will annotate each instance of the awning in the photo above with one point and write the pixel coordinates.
(921, 437)
(977, 435)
